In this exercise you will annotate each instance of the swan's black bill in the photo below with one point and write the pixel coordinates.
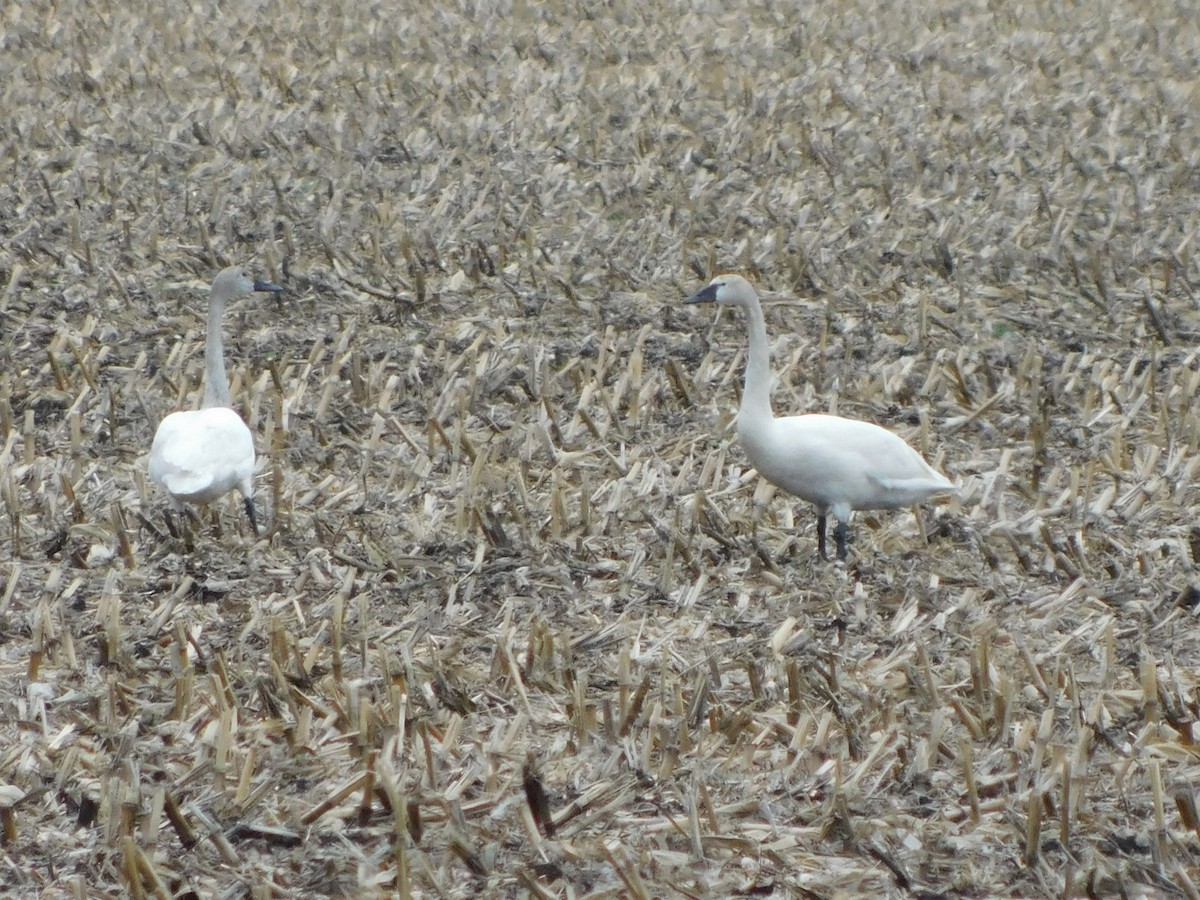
(708, 295)
(267, 286)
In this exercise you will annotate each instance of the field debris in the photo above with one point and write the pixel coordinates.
(521, 619)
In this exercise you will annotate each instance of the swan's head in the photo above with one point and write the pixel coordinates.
(727, 290)
(235, 280)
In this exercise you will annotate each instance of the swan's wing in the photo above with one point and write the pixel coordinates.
(918, 488)
(897, 469)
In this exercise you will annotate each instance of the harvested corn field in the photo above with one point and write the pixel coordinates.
(521, 620)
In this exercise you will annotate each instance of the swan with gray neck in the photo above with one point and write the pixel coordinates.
(836, 464)
(200, 455)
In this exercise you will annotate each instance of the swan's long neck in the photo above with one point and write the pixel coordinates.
(756, 396)
(216, 384)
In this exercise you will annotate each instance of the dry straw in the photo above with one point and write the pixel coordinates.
(522, 620)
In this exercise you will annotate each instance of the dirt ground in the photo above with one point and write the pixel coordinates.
(522, 621)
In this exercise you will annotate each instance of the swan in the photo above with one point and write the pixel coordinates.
(200, 455)
(836, 464)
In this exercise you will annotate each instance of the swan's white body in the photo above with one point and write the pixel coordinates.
(200, 455)
(836, 464)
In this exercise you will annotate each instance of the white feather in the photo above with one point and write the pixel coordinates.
(200, 455)
(839, 464)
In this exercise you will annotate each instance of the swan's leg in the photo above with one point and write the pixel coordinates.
(840, 533)
(189, 523)
(821, 535)
(250, 513)
(182, 520)
(921, 525)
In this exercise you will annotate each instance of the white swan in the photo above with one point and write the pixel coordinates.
(836, 464)
(200, 455)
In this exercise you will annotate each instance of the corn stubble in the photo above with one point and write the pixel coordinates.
(521, 619)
